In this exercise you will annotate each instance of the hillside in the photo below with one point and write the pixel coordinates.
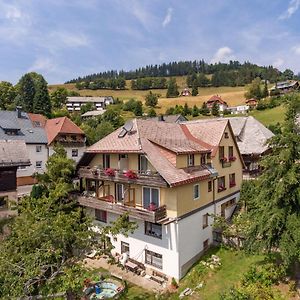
(233, 95)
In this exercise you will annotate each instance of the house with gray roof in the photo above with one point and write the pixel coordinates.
(100, 103)
(13, 154)
(252, 137)
(17, 126)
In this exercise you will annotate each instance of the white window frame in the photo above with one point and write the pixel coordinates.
(38, 147)
(191, 157)
(36, 164)
(151, 187)
(196, 198)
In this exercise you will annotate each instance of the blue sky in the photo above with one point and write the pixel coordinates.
(63, 39)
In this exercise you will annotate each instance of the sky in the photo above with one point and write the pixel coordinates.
(64, 39)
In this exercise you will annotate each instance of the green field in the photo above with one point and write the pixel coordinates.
(270, 116)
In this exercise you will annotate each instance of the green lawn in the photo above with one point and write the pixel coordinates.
(269, 116)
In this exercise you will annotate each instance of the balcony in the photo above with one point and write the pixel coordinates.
(107, 203)
(142, 177)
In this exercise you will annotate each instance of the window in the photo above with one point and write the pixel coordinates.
(106, 161)
(191, 160)
(203, 159)
(11, 131)
(22, 167)
(205, 220)
(232, 180)
(221, 152)
(74, 152)
(153, 259)
(38, 164)
(143, 163)
(227, 205)
(221, 184)
(36, 124)
(124, 247)
(101, 215)
(196, 191)
(38, 148)
(209, 186)
(153, 229)
(230, 151)
(150, 197)
(205, 244)
(226, 135)
(119, 192)
(74, 138)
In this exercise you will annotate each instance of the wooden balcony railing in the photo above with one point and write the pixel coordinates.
(105, 203)
(142, 177)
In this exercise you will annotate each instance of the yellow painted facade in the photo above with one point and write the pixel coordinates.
(180, 200)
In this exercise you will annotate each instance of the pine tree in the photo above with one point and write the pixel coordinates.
(195, 111)
(151, 99)
(204, 109)
(172, 88)
(215, 109)
(186, 110)
(265, 92)
(275, 207)
(151, 112)
(26, 90)
(195, 88)
(138, 110)
(41, 101)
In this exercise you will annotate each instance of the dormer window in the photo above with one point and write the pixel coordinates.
(11, 131)
(191, 160)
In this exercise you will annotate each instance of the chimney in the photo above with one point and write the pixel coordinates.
(161, 118)
(19, 111)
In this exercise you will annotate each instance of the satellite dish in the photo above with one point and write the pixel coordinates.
(128, 126)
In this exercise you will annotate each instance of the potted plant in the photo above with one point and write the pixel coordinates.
(223, 159)
(130, 174)
(174, 284)
(110, 172)
(152, 206)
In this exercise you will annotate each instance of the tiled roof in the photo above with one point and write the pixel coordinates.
(13, 153)
(89, 99)
(216, 98)
(160, 142)
(251, 135)
(37, 120)
(28, 133)
(171, 118)
(60, 125)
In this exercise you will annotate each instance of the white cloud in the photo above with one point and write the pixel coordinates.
(69, 39)
(278, 63)
(223, 54)
(292, 8)
(296, 49)
(168, 17)
(43, 64)
(13, 13)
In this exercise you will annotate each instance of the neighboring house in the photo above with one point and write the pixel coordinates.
(16, 125)
(92, 114)
(252, 103)
(216, 99)
(186, 92)
(100, 103)
(286, 86)
(13, 154)
(39, 135)
(241, 109)
(68, 134)
(251, 137)
(170, 118)
(170, 178)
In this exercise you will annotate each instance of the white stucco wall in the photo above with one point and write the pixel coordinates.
(69, 152)
(34, 157)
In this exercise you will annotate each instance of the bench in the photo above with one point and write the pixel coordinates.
(158, 277)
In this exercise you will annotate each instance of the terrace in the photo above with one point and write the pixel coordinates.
(131, 176)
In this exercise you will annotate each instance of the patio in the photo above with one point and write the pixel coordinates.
(114, 270)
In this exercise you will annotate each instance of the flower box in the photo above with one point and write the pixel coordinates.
(221, 188)
(223, 159)
(232, 158)
(232, 184)
(110, 172)
(130, 174)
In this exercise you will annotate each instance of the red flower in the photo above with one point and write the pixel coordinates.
(223, 159)
(130, 174)
(110, 172)
(232, 158)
